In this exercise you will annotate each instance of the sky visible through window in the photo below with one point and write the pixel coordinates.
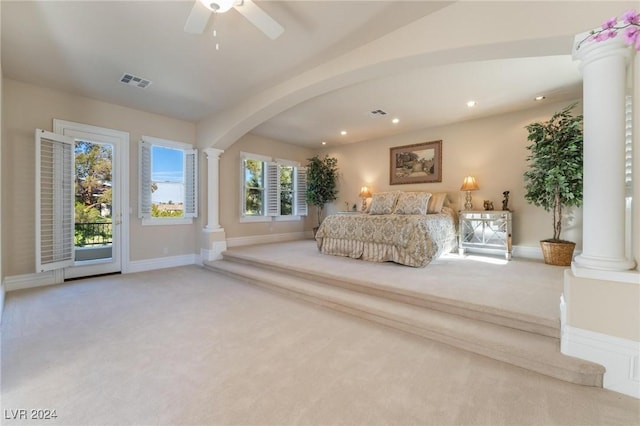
(168, 174)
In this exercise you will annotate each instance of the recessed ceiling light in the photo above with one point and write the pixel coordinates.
(539, 98)
(395, 120)
(471, 104)
(344, 132)
(324, 143)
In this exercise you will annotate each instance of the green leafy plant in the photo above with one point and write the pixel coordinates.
(322, 182)
(554, 178)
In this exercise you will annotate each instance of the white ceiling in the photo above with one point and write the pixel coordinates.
(84, 47)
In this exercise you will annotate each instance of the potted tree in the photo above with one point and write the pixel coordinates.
(553, 180)
(322, 180)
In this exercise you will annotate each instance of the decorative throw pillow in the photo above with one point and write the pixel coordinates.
(436, 202)
(412, 203)
(383, 202)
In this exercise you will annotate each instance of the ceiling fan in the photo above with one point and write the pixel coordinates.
(202, 9)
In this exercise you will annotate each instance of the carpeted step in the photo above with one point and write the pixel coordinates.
(513, 319)
(528, 350)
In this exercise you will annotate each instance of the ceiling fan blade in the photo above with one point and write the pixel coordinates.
(260, 19)
(198, 18)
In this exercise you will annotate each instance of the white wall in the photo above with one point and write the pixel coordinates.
(491, 149)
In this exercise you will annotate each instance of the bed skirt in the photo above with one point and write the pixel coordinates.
(370, 251)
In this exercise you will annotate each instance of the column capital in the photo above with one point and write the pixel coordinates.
(588, 51)
(213, 152)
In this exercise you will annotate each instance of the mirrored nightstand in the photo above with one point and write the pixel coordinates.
(485, 231)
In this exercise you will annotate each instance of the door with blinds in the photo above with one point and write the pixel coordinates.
(54, 201)
(79, 200)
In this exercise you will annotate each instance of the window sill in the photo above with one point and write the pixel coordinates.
(167, 221)
(265, 219)
(254, 219)
(287, 218)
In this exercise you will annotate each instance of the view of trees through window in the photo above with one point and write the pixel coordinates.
(286, 190)
(93, 163)
(254, 181)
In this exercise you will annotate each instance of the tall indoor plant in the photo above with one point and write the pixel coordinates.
(322, 181)
(553, 180)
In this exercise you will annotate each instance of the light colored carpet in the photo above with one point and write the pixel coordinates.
(189, 346)
(524, 286)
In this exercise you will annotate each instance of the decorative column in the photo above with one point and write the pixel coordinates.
(603, 67)
(213, 189)
(635, 168)
(214, 241)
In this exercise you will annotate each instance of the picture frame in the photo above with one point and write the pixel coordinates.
(417, 163)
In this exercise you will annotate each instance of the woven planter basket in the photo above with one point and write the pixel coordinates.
(557, 253)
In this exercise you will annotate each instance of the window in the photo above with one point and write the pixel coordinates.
(168, 191)
(272, 189)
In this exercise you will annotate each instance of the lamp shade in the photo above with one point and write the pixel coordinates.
(364, 192)
(469, 184)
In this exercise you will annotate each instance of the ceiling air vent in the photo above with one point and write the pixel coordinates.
(133, 80)
(377, 113)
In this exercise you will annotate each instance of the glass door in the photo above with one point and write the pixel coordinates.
(98, 201)
(93, 234)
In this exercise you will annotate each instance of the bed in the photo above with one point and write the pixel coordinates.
(398, 227)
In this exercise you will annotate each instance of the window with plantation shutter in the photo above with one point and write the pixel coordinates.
(191, 183)
(55, 219)
(301, 191)
(144, 170)
(168, 182)
(272, 189)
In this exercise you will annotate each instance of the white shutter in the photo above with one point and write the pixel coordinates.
(144, 179)
(301, 192)
(55, 215)
(273, 189)
(191, 183)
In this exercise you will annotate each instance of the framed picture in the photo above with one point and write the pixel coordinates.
(419, 163)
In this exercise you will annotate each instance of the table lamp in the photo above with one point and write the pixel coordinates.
(364, 194)
(469, 184)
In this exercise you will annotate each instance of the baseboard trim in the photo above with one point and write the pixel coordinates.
(531, 252)
(21, 282)
(527, 252)
(215, 253)
(270, 238)
(163, 262)
(621, 357)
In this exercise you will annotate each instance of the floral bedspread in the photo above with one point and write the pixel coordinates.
(412, 240)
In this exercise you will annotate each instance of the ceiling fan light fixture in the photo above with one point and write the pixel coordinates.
(219, 6)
